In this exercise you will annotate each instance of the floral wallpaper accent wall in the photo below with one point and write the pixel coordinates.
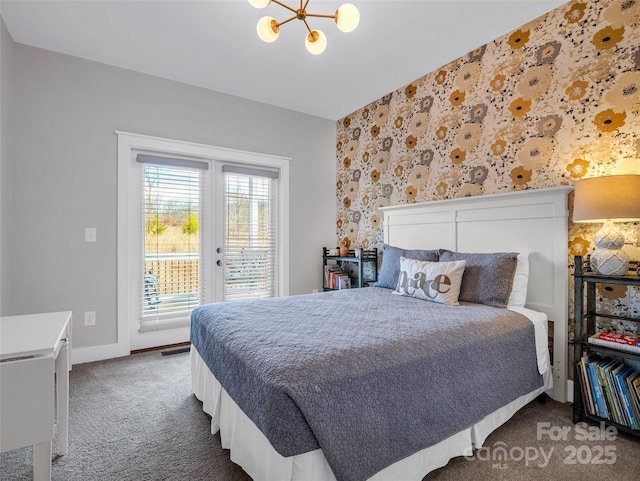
(548, 104)
(552, 102)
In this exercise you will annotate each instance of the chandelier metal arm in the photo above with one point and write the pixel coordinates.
(287, 20)
(319, 15)
(307, 25)
(287, 6)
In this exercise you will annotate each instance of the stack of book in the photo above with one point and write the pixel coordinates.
(610, 389)
(624, 342)
(335, 278)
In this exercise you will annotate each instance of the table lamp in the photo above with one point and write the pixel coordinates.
(608, 199)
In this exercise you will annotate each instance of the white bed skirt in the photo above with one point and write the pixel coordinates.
(251, 450)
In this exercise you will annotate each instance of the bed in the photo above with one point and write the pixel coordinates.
(350, 399)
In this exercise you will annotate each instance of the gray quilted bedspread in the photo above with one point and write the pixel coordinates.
(368, 376)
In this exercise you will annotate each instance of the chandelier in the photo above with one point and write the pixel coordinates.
(346, 17)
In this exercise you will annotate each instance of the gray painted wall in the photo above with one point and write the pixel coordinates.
(7, 95)
(62, 176)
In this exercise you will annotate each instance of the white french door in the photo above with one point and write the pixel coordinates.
(204, 225)
(247, 244)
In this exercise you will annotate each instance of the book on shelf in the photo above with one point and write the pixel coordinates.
(330, 273)
(619, 376)
(585, 383)
(335, 278)
(600, 408)
(634, 400)
(598, 341)
(613, 393)
(607, 395)
(628, 339)
(633, 389)
(610, 389)
(343, 282)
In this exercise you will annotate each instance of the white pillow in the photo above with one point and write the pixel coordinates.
(518, 296)
(431, 281)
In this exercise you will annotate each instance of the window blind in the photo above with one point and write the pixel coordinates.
(173, 255)
(251, 227)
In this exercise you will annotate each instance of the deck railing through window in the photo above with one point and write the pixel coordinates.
(171, 281)
(170, 278)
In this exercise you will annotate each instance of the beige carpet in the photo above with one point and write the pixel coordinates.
(135, 418)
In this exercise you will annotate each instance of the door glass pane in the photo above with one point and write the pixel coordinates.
(250, 255)
(172, 253)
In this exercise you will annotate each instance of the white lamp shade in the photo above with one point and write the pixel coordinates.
(316, 42)
(614, 197)
(607, 199)
(267, 29)
(259, 3)
(347, 17)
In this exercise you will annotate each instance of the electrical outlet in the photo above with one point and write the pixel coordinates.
(90, 318)
(90, 234)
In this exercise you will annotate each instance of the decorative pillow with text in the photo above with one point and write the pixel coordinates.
(431, 281)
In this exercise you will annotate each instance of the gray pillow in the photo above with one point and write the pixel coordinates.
(487, 278)
(390, 269)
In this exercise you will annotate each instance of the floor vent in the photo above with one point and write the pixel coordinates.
(176, 351)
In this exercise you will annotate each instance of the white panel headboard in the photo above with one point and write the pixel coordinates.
(530, 220)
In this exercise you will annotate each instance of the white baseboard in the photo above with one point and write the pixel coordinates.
(81, 355)
(162, 337)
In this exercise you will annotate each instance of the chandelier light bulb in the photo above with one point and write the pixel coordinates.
(268, 29)
(259, 3)
(316, 42)
(347, 17)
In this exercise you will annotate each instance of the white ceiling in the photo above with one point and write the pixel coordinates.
(213, 44)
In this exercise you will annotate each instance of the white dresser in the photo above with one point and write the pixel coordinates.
(34, 378)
